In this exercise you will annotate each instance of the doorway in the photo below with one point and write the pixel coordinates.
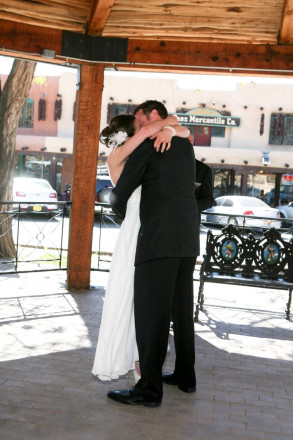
(202, 135)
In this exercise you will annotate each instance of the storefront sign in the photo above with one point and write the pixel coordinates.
(219, 121)
(287, 178)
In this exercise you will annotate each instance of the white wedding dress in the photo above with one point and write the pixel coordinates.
(116, 351)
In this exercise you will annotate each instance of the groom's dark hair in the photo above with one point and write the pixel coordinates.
(148, 106)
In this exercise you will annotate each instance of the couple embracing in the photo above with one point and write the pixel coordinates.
(152, 165)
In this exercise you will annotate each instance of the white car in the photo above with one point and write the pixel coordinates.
(228, 208)
(38, 191)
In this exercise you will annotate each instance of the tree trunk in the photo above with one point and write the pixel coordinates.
(12, 100)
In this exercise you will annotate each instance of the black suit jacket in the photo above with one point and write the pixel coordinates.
(168, 210)
(204, 193)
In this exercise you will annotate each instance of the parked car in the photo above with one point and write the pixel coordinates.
(104, 188)
(286, 212)
(39, 191)
(286, 194)
(233, 206)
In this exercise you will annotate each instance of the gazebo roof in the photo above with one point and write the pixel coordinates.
(232, 21)
(190, 34)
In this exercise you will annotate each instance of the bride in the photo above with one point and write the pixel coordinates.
(116, 352)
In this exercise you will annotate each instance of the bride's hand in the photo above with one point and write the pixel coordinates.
(162, 140)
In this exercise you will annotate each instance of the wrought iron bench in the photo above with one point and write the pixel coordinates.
(234, 258)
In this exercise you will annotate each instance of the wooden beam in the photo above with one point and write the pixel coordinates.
(85, 158)
(31, 40)
(99, 15)
(212, 57)
(173, 56)
(286, 32)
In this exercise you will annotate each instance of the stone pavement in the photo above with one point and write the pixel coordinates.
(244, 353)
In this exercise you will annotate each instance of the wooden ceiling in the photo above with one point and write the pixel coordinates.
(179, 33)
(232, 21)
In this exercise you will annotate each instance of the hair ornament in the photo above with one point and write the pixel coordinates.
(117, 139)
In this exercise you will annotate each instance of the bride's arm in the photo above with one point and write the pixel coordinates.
(163, 138)
(117, 157)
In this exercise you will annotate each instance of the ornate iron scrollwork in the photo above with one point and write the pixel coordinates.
(228, 249)
(270, 254)
(248, 261)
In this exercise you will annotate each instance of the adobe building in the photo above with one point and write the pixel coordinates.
(242, 127)
(44, 141)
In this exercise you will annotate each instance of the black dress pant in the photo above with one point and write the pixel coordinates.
(163, 290)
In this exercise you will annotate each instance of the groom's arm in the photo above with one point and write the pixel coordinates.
(131, 177)
(204, 194)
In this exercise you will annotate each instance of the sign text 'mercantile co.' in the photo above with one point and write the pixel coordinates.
(222, 121)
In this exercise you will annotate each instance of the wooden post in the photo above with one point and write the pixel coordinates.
(83, 189)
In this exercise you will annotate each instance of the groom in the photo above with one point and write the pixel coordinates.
(166, 252)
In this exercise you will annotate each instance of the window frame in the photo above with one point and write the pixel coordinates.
(282, 138)
(27, 116)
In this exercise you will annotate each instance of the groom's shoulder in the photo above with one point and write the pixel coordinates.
(144, 149)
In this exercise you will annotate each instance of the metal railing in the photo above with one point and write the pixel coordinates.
(40, 239)
(35, 238)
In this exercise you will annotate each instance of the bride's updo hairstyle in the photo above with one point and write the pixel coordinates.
(120, 128)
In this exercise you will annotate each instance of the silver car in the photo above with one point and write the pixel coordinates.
(227, 209)
(286, 212)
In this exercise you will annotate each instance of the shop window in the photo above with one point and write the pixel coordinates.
(222, 182)
(281, 129)
(119, 109)
(27, 116)
(237, 185)
(261, 185)
(215, 131)
(218, 132)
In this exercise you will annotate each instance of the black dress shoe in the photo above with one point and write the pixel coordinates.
(171, 379)
(132, 396)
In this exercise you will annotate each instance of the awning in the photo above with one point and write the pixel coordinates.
(47, 144)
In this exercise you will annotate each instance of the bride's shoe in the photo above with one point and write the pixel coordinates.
(136, 372)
